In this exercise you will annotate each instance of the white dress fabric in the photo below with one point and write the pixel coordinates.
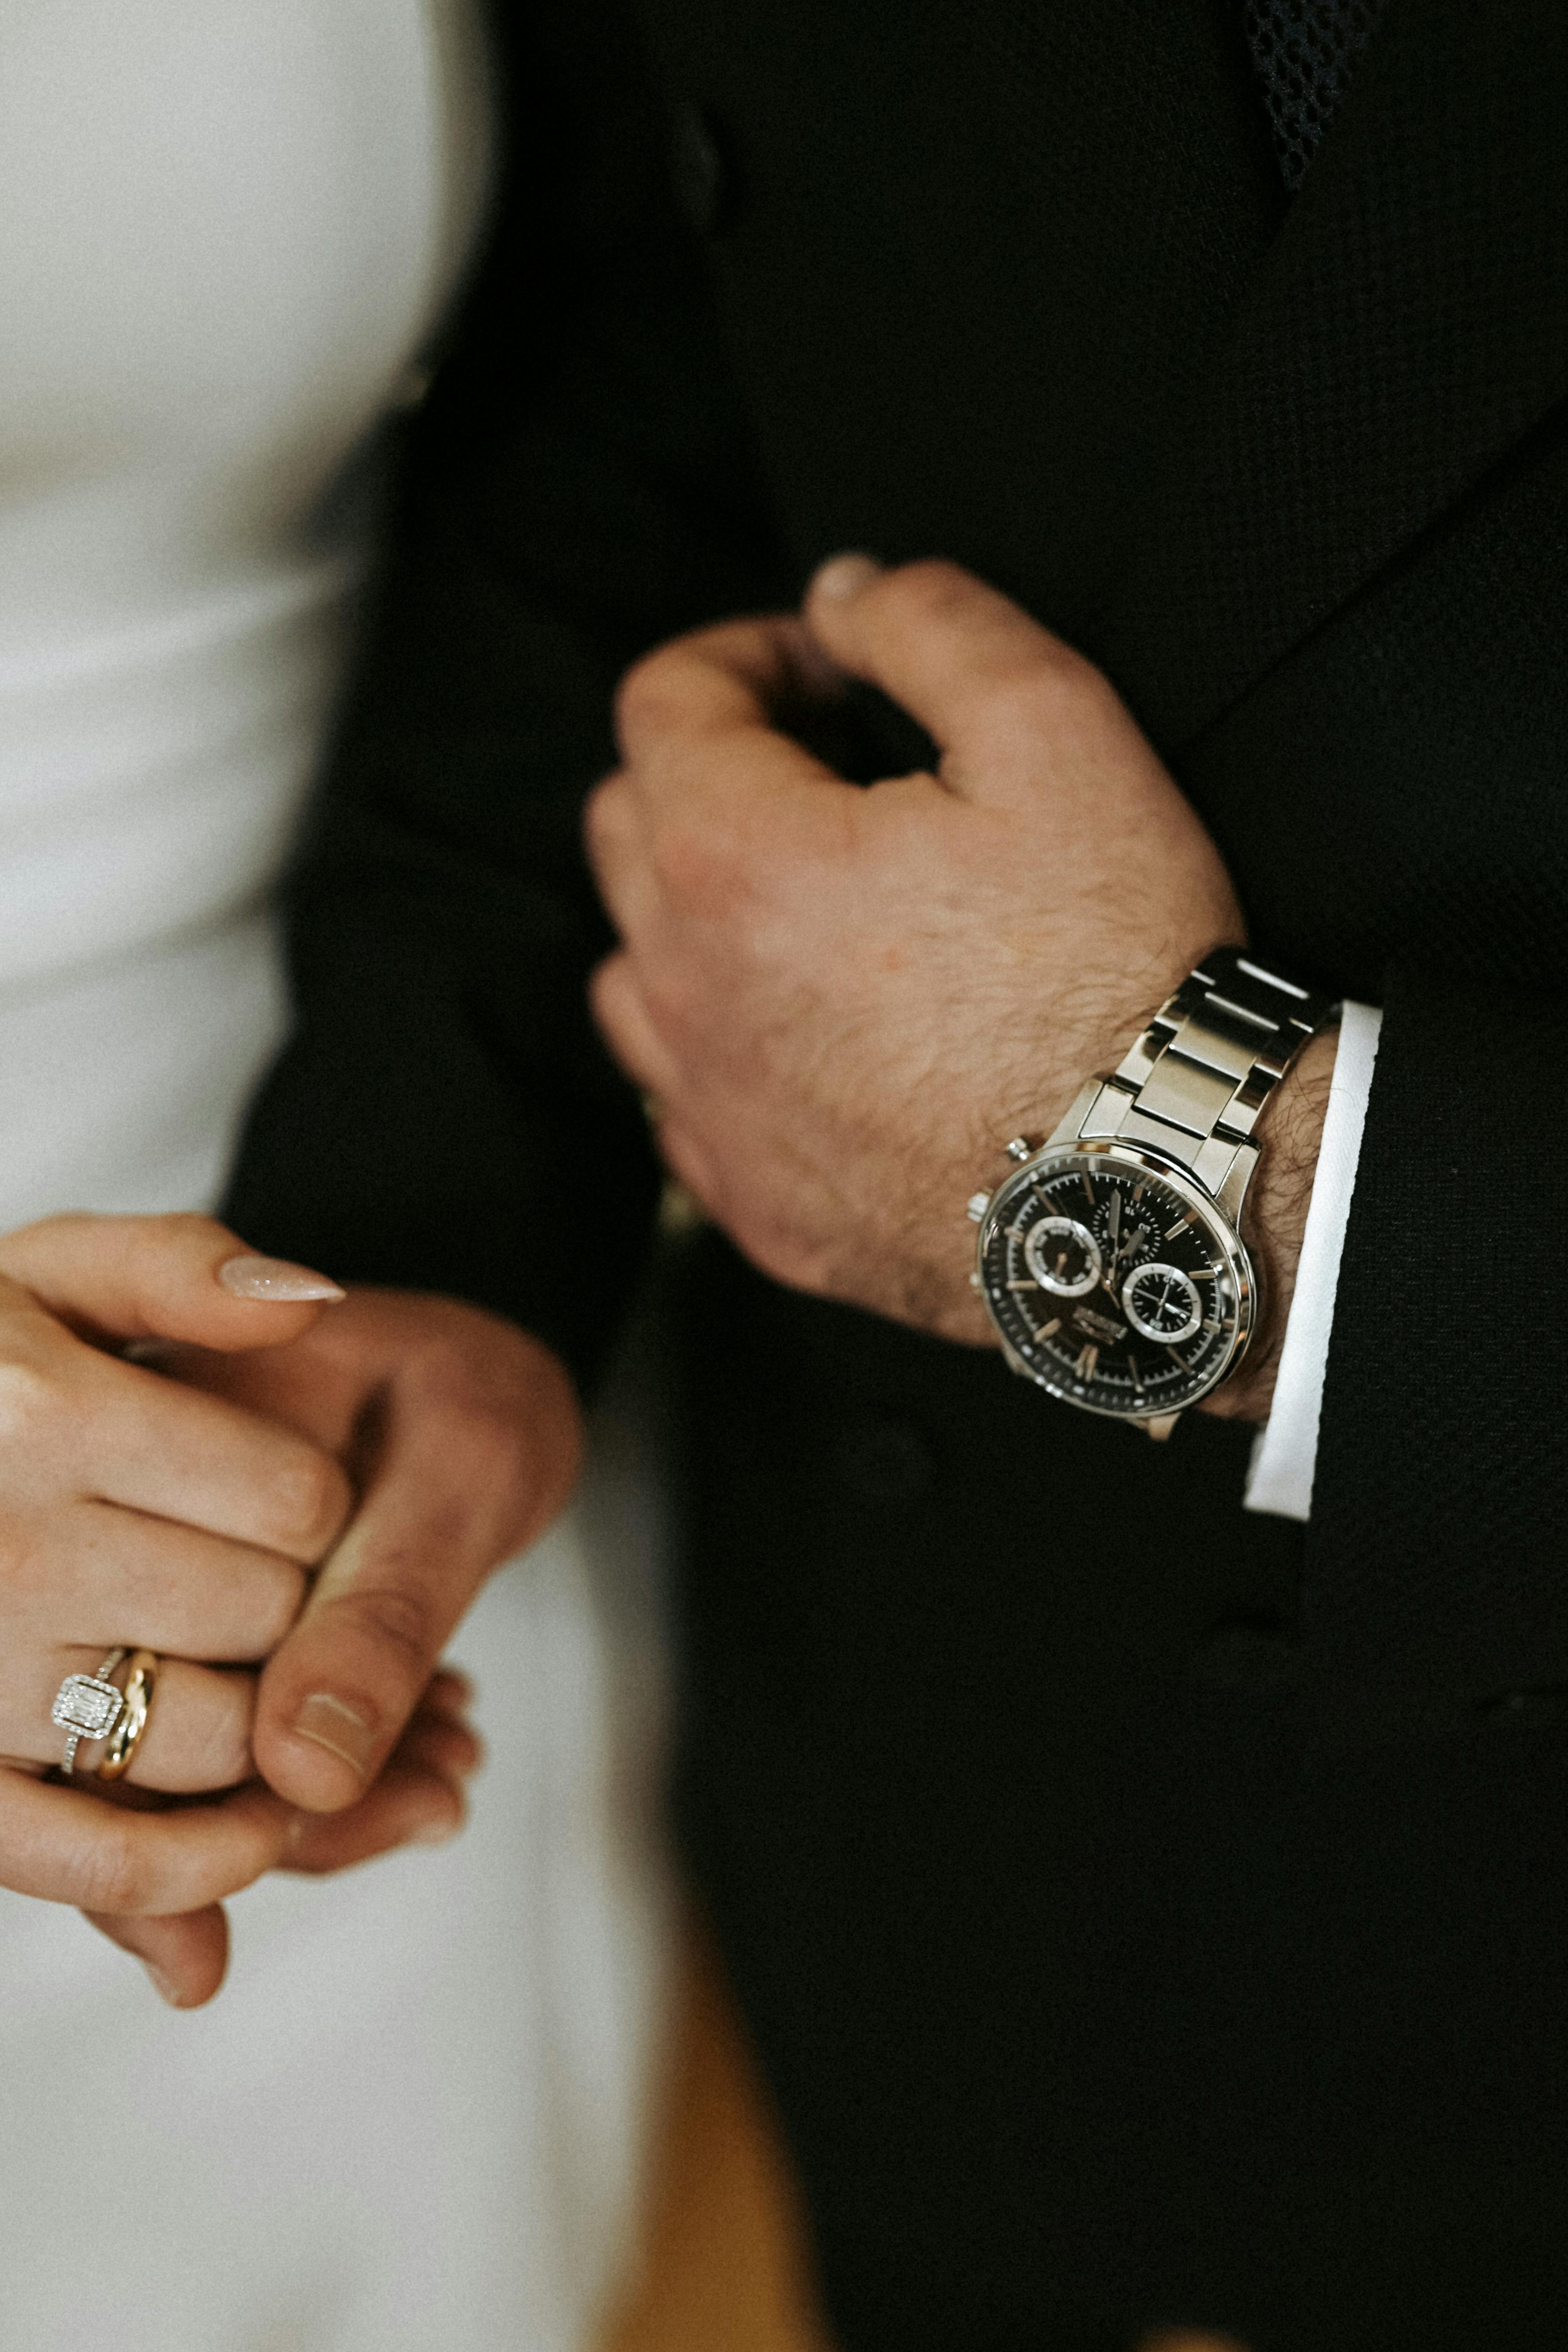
(227, 227)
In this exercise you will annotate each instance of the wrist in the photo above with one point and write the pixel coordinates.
(1274, 1220)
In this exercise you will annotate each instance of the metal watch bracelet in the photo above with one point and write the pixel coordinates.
(1195, 1081)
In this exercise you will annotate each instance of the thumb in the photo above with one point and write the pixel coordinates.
(469, 1464)
(175, 1277)
(953, 652)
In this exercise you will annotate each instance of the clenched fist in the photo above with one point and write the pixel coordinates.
(845, 1000)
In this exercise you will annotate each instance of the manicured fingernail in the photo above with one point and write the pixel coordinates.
(843, 576)
(165, 1986)
(336, 1727)
(274, 1277)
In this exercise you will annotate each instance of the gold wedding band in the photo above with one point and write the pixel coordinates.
(141, 1683)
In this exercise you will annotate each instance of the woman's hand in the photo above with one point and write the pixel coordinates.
(136, 1512)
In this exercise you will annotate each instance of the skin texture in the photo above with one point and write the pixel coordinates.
(322, 1487)
(843, 1000)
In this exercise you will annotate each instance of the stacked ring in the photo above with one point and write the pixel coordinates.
(123, 1740)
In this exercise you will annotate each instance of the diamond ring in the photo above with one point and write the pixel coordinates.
(88, 1706)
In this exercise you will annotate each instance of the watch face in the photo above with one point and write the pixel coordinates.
(1112, 1281)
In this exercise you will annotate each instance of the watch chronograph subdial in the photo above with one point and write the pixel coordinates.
(1113, 1282)
(1063, 1256)
(1162, 1303)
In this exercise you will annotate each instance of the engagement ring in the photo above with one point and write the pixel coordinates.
(88, 1706)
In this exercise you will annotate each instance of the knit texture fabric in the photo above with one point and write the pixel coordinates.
(1305, 52)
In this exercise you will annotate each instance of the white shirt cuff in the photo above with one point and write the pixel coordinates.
(1285, 1456)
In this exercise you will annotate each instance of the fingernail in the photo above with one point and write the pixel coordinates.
(274, 1277)
(165, 1986)
(336, 1727)
(843, 576)
(440, 1833)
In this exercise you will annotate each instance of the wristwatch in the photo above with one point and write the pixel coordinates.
(1111, 1259)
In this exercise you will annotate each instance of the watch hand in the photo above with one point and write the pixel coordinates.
(1112, 1230)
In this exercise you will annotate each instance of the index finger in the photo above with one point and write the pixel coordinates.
(181, 1276)
(725, 682)
(933, 638)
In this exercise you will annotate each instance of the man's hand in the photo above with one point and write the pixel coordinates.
(152, 1866)
(463, 1437)
(845, 1001)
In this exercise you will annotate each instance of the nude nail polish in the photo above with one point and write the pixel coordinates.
(333, 1725)
(274, 1277)
(165, 1986)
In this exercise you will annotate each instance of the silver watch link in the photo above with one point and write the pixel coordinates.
(1111, 1260)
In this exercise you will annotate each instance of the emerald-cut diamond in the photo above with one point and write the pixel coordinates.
(86, 1706)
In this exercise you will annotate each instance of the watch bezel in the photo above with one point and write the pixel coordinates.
(1140, 1159)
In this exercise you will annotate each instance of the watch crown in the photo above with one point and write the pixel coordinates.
(1020, 1148)
(978, 1205)
(975, 1282)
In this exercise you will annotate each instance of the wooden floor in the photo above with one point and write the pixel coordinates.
(723, 2264)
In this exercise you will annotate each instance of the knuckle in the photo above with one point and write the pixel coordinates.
(645, 699)
(1040, 699)
(311, 1497)
(601, 812)
(395, 1618)
(673, 1002)
(36, 1403)
(275, 1601)
(702, 867)
(111, 1871)
(219, 1747)
(185, 1225)
(147, 1248)
(1058, 675)
(929, 590)
(62, 1224)
(450, 1377)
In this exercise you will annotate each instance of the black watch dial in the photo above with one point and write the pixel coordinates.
(1113, 1284)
